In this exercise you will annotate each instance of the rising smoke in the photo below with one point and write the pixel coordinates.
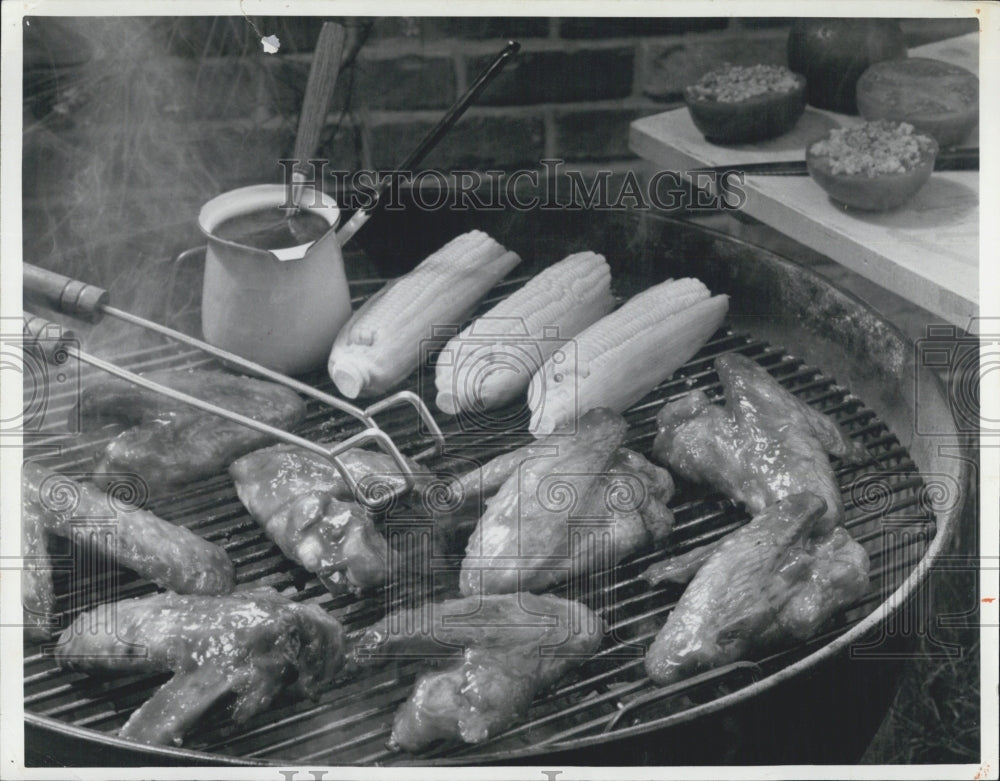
(130, 124)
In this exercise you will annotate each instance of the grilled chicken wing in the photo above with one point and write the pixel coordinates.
(170, 443)
(681, 568)
(763, 446)
(511, 645)
(274, 475)
(249, 645)
(170, 556)
(571, 503)
(305, 506)
(38, 596)
(774, 581)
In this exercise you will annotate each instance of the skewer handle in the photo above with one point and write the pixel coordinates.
(50, 339)
(64, 294)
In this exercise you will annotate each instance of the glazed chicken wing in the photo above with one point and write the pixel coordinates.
(170, 443)
(170, 556)
(764, 445)
(772, 582)
(38, 596)
(274, 475)
(249, 646)
(574, 502)
(512, 646)
(305, 506)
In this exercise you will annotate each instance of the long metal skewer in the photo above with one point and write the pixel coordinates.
(236, 360)
(90, 302)
(39, 332)
(365, 416)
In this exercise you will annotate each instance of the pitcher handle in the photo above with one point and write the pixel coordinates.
(189, 253)
(182, 257)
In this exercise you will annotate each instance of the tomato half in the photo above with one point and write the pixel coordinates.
(833, 53)
(936, 97)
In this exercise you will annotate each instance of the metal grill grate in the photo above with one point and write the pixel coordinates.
(351, 723)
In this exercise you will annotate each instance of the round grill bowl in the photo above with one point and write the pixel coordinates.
(824, 705)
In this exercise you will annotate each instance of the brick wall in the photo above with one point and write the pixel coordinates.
(570, 93)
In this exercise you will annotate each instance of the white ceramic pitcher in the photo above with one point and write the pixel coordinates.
(282, 307)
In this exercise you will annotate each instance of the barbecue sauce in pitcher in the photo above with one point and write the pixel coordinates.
(272, 228)
(273, 291)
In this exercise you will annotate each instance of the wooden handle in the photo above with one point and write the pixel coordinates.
(50, 339)
(319, 89)
(64, 294)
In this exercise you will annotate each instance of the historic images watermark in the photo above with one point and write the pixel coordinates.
(493, 351)
(551, 186)
(50, 379)
(961, 359)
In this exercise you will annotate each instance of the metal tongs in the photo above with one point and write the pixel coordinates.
(90, 303)
(78, 299)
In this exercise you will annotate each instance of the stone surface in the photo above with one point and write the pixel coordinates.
(407, 82)
(221, 88)
(589, 134)
(477, 141)
(198, 37)
(490, 27)
(557, 76)
(917, 32)
(615, 27)
(669, 68)
(341, 145)
(240, 154)
(470, 27)
(761, 22)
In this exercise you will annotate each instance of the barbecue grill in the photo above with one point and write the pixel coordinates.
(824, 345)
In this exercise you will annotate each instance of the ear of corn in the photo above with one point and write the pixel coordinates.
(622, 357)
(492, 361)
(381, 344)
